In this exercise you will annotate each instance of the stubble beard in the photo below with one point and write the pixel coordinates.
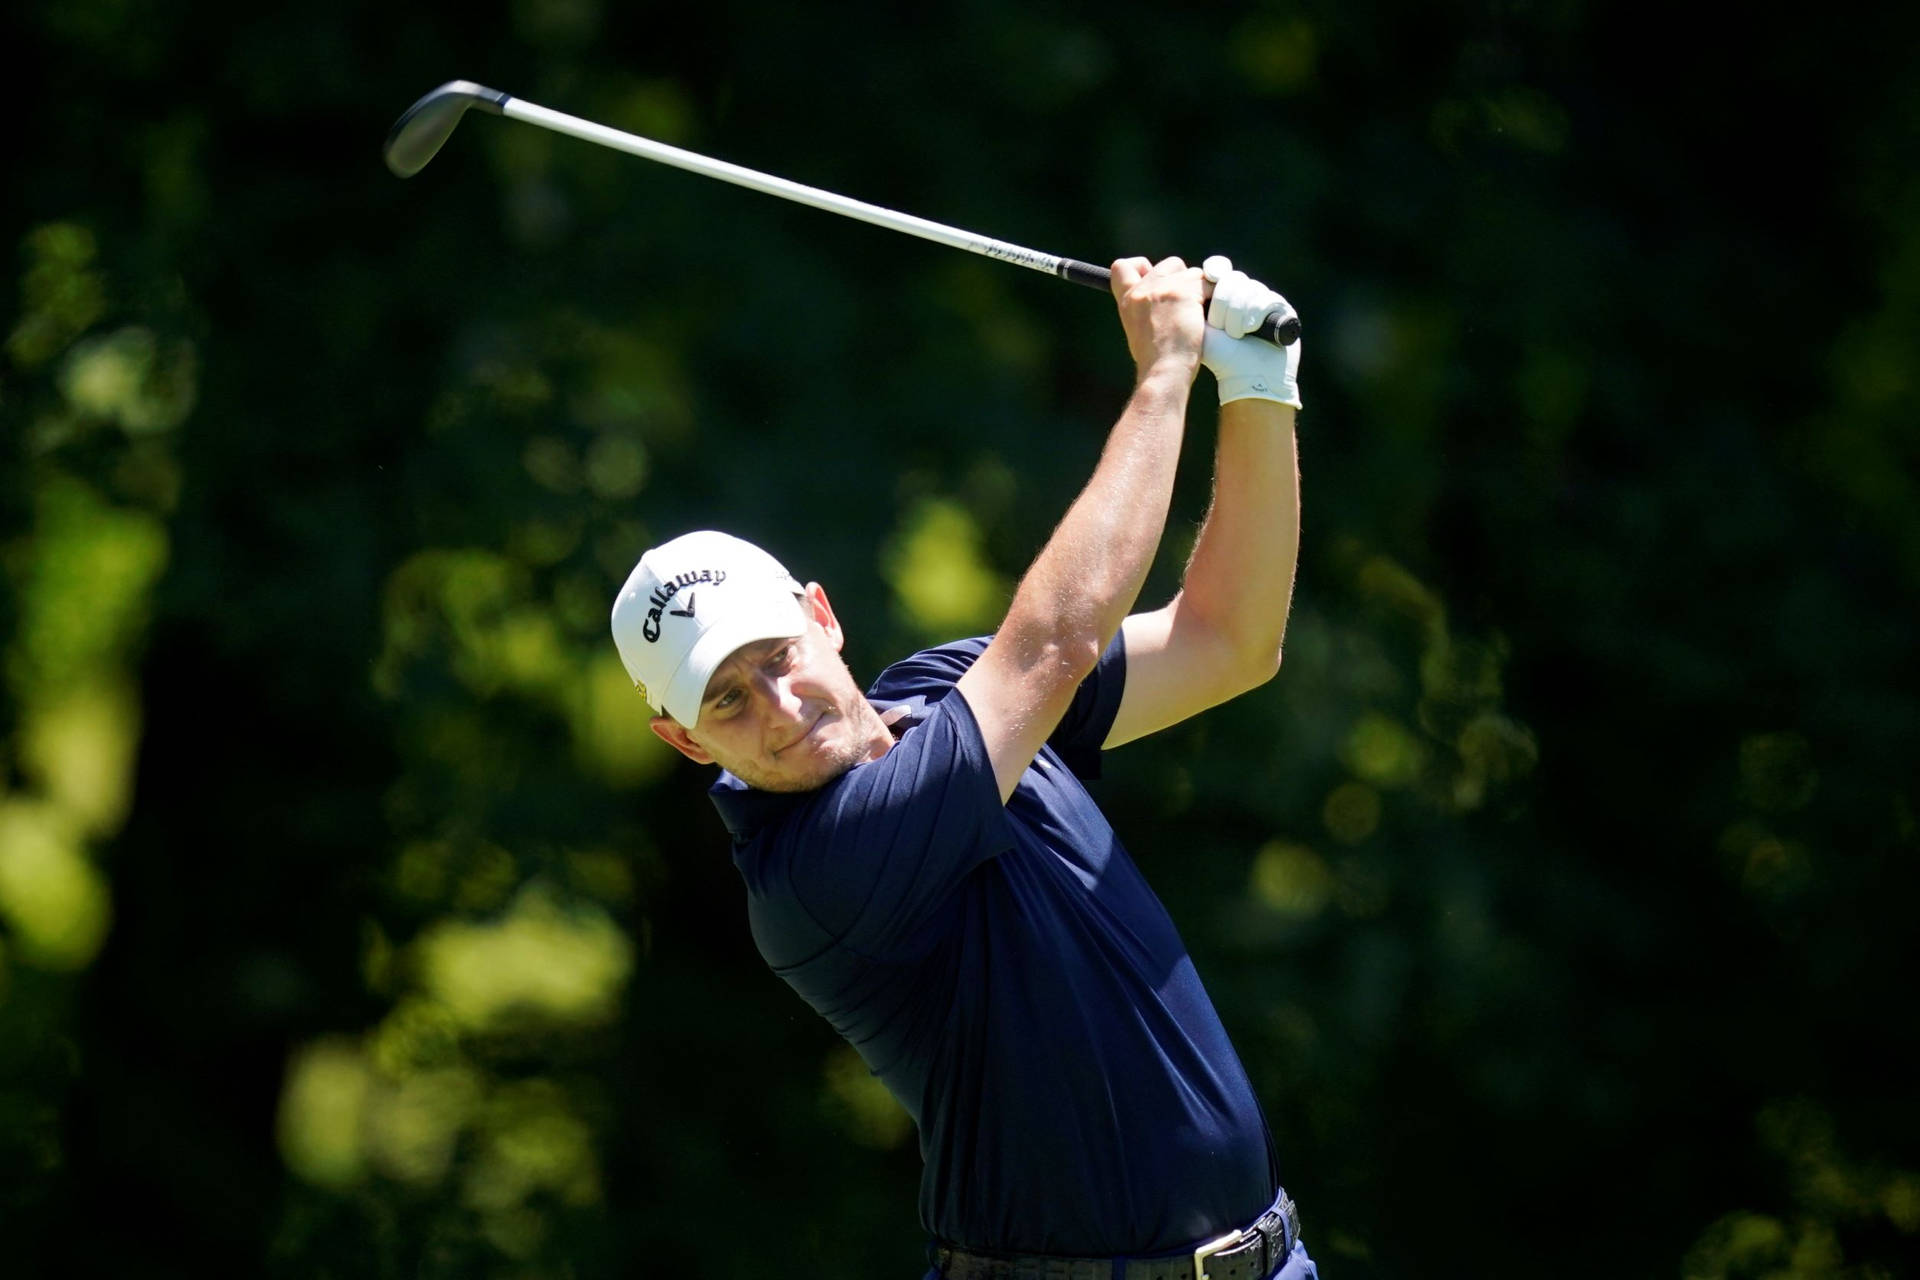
(839, 758)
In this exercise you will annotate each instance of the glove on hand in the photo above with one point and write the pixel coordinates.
(1246, 368)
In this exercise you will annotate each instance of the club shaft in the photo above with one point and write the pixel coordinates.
(425, 126)
(740, 176)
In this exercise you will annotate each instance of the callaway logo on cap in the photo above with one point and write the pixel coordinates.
(689, 604)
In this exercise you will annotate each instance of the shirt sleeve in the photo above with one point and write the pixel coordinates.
(1081, 731)
(878, 855)
(1085, 725)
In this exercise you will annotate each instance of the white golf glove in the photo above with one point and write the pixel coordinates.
(1246, 368)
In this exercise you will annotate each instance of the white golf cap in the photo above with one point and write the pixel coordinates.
(689, 604)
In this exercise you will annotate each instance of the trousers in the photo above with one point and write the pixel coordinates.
(1297, 1267)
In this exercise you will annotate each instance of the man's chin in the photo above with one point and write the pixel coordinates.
(822, 770)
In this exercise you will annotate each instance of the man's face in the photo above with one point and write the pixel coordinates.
(784, 715)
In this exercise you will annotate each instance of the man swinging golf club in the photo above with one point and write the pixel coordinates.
(924, 867)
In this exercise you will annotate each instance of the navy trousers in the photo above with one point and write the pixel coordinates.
(1298, 1267)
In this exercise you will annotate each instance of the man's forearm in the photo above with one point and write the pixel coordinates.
(1074, 598)
(1239, 581)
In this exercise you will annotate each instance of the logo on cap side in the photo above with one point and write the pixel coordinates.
(664, 593)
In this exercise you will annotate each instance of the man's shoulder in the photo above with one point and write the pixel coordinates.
(862, 859)
(928, 673)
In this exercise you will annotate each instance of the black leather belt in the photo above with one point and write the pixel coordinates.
(1251, 1253)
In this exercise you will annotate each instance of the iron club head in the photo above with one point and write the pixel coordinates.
(424, 126)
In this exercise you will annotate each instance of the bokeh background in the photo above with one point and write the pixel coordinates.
(1559, 893)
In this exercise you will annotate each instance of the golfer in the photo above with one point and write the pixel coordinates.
(924, 867)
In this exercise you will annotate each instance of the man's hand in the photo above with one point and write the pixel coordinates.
(1247, 368)
(1161, 310)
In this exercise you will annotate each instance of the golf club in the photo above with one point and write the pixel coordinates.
(421, 130)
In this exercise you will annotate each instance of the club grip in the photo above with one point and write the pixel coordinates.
(1280, 332)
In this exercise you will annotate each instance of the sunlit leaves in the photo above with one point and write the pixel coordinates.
(472, 610)
(52, 897)
(533, 1140)
(939, 573)
(1480, 747)
(321, 1109)
(472, 615)
(129, 377)
(538, 961)
(84, 581)
(1291, 879)
(345, 1117)
(854, 1096)
(616, 465)
(1831, 1189)
(78, 743)
(417, 1100)
(1381, 750)
(418, 1121)
(610, 725)
(62, 294)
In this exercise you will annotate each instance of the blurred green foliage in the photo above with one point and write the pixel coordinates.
(1557, 893)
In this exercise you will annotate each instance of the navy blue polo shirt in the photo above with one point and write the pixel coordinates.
(1010, 977)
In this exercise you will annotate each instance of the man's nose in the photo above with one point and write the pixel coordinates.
(778, 691)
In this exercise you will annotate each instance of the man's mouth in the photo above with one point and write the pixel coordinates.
(805, 733)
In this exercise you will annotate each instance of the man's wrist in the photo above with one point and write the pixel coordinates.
(1167, 373)
(1237, 388)
(1263, 415)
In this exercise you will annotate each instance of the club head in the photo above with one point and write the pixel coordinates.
(424, 126)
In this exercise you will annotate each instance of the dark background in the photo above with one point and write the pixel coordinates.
(1558, 893)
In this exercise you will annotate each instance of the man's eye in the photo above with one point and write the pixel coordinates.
(782, 658)
(727, 700)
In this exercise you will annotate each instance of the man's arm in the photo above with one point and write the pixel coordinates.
(1222, 634)
(1084, 580)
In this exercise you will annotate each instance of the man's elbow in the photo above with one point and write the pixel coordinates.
(1255, 666)
(1240, 661)
(1074, 657)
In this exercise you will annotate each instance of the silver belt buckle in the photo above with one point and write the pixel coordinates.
(1212, 1247)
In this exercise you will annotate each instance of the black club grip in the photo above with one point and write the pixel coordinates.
(1282, 333)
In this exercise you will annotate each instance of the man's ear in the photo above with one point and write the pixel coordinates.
(820, 609)
(675, 735)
